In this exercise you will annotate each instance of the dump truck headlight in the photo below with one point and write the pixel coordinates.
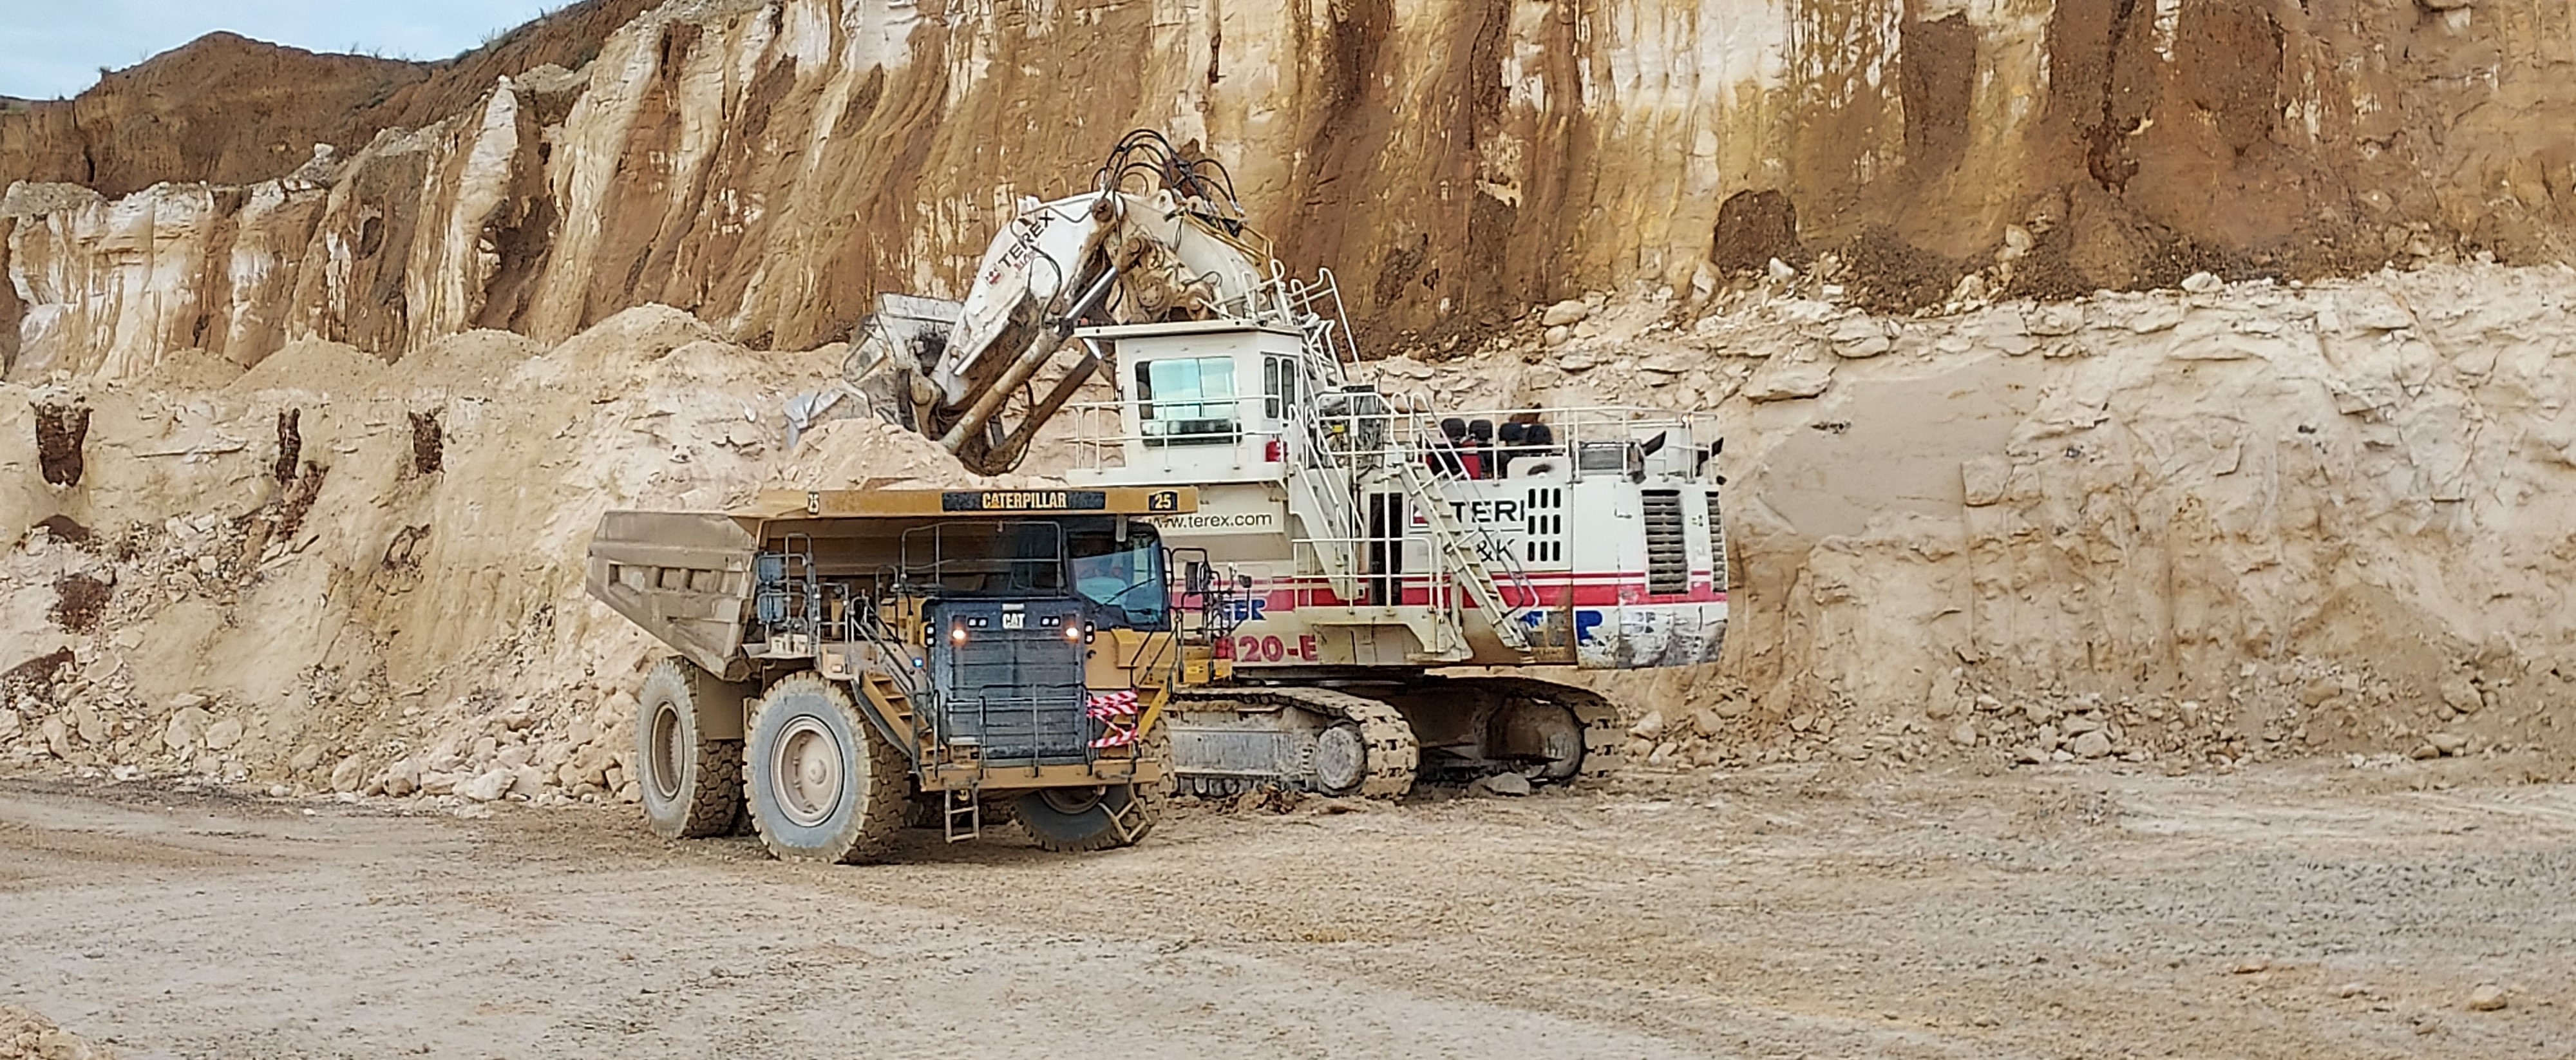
(957, 634)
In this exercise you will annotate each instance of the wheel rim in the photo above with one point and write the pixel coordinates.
(667, 752)
(806, 772)
(1341, 758)
(1070, 801)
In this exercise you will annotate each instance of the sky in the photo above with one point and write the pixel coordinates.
(53, 48)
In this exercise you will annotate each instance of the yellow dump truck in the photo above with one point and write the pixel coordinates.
(849, 661)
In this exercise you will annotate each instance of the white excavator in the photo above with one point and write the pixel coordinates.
(1357, 558)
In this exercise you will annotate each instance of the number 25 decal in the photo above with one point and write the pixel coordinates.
(1163, 501)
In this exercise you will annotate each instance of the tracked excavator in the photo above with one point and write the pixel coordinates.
(1353, 551)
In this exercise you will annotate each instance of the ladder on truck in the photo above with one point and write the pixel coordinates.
(1323, 482)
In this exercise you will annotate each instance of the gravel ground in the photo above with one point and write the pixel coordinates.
(2301, 910)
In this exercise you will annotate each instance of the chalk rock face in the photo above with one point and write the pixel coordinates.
(772, 166)
(373, 369)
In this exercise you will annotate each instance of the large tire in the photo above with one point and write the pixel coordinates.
(823, 785)
(1073, 820)
(692, 784)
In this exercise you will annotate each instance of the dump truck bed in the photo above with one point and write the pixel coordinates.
(689, 578)
(684, 577)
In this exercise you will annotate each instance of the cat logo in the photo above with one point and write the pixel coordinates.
(1163, 501)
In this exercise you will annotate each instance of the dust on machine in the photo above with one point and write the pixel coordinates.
(1264, 571)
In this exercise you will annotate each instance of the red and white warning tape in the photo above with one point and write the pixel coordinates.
(1116, 713)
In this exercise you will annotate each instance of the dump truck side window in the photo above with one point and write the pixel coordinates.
(1186, 400)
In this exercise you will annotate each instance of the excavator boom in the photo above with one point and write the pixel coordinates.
(1144, 246)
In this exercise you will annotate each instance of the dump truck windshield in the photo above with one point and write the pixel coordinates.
(1125, 577)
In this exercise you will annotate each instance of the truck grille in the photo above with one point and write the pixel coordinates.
(1013, 686)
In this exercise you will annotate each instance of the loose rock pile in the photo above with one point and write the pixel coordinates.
(28, 1035)
(2015, 534)
(2315, 709)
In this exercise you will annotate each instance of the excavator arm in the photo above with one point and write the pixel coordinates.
(1156, 239)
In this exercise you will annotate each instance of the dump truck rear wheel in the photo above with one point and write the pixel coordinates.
(821, 783)
(692, 784)
(1072, 820)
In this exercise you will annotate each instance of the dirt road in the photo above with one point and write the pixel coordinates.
(2304, 911)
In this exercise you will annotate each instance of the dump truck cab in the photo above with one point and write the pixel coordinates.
(859, 657)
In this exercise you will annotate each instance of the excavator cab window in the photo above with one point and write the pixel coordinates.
(1186, 401)
(1279, 378)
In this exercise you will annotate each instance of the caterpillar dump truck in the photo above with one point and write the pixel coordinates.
(850, 661)
(1373, 544)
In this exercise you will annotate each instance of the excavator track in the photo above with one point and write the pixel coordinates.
(1604, 738)
(1393, 756)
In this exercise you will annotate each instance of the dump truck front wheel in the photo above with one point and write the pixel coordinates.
(1067, 820)
(822, 784)
(692, 782)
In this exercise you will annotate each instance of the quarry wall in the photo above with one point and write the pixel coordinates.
(770, 167)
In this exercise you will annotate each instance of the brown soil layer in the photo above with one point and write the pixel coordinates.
(776, 167)
(230, 110)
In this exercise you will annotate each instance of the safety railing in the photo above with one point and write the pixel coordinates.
(1336, 448)
(1577, 442)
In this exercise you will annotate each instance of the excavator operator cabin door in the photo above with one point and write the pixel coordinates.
(1385, 551)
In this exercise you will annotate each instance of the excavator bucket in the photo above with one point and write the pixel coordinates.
(896, 346)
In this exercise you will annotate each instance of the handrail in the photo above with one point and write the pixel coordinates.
(1100, 434)
(1379, 445)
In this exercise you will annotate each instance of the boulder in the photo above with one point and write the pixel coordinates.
(489, 785)
(1860, 337)
(2460, 693)
(87, 722)
(402, 778)
(349, 775)
(185, 730)
(1788, 380)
